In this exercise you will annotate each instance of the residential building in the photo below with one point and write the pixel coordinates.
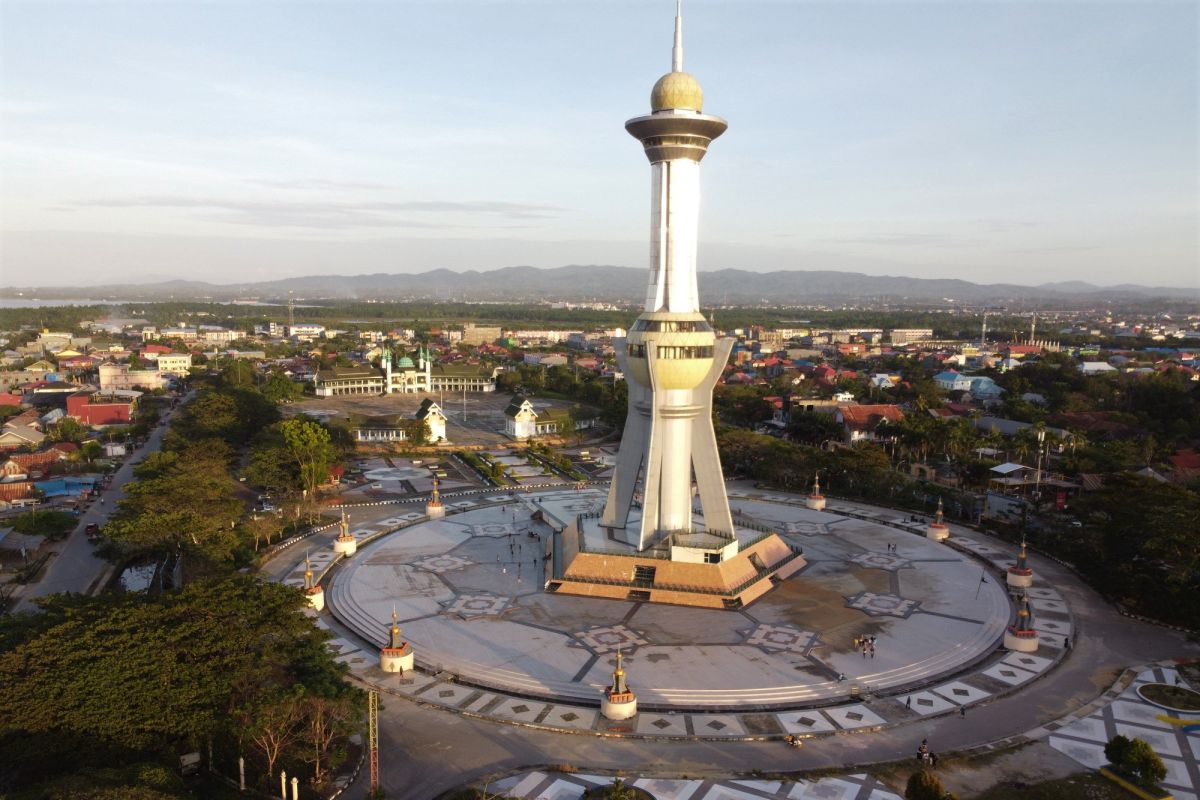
(867, 423)
(174, 363)
(120, 376)
(103, 408)
(480, 334)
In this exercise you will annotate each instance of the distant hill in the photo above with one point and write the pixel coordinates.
(622, 284)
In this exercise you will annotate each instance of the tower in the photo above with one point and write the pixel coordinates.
(937, 529)
(434, 509)
(816, 500)
(671, 355)
(397, 655)
(661, 549)
(1020, 575)
(1021, 636)
(619, 702)
(345, 543)
(313, 590)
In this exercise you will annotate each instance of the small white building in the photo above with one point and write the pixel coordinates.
(520, 419)
(435, 418)
(1096, 368)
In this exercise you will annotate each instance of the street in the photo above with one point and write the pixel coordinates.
(74, 567)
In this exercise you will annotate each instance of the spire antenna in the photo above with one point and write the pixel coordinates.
(677, 50)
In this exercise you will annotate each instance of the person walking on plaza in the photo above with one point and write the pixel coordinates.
(962, 712)
(908, 702)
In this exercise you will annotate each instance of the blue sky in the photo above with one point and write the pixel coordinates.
(227, 141)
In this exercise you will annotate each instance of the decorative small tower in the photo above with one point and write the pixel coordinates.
(434, 508)
(345, 544)
(1021, 636)
(937, 529)
(816, 500)
(314, 590)
(397, 655)
(618, 701)
(1020, 575)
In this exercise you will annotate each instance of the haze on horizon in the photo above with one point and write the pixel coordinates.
(230, 142)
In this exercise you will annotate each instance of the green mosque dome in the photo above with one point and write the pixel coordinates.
(405, 361)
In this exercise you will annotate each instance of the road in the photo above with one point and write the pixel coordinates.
(74, 567)
(426, 751)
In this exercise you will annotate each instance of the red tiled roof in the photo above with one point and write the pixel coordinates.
(17, 490)
(867, 417)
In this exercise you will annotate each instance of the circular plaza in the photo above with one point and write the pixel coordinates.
(878, 610)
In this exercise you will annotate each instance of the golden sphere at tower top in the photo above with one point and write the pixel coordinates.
(677, 90)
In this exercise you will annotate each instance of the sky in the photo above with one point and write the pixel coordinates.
(1018, 142)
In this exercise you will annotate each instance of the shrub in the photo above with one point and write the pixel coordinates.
(1135, 758)
(924, 785)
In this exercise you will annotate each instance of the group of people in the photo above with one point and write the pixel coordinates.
(866, 644)
(925, 755)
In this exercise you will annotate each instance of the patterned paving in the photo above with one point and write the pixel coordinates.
(462, 594)
(1131, 716)
(559, 786)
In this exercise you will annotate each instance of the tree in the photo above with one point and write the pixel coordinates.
(327, 718)
(309, 444)
(924, 785)
(280, 388)
(1136, 758)
(273, 723)
(145, 672)
(68, 429)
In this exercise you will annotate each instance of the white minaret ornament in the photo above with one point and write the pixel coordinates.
(671, 355)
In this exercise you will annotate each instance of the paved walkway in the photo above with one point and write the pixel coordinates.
(562, 786)
(427, 751)
(1127, 714)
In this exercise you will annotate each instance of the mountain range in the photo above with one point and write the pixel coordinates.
(620, 284)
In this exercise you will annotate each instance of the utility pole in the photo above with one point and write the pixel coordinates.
(373, 736)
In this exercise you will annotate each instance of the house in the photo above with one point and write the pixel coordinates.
(520, 418)
(984, 389)
(863, 423)
(120, 376)
(1096, 368)
(952, 381)
(103, 408)
(20, 436)
(23, 466)
(432, 414)
(16, 493)
(522, 421)
(26, 419)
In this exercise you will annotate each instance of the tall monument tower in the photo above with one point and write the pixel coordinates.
(671, 356)
(664, 550)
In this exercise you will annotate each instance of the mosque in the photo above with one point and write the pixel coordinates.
(405, 376)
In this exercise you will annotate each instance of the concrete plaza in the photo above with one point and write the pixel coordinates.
(469, 593)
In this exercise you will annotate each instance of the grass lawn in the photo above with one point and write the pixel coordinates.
(1081, 786)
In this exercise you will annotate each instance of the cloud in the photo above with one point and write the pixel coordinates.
(317, 183)
(335, 214)
(902, 239)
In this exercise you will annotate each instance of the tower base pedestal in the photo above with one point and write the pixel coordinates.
(397, 659)
(816, 502)
(618, 706)
(435, 510)
(316, 597)
(1019, 579)
(936, 532)
(1021, 641)
(346, 547)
